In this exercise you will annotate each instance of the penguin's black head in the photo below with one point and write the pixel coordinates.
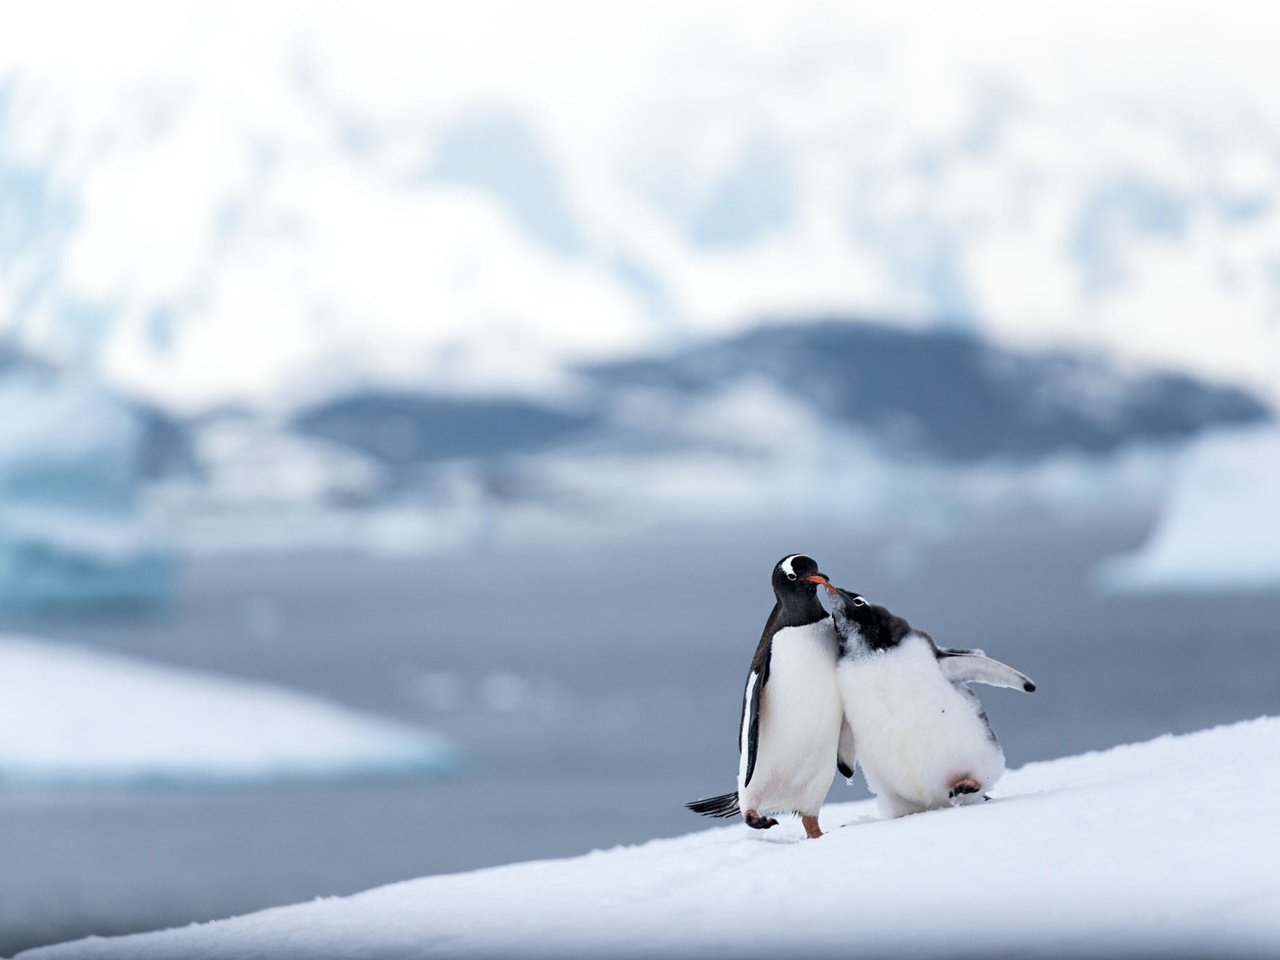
(850, 610)
(869, 624)
(797, 575)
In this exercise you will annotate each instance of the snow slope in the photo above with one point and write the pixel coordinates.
(1220, 527)
(1165, 848)
(70, 715)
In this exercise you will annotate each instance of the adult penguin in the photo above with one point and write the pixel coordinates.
(791, 727)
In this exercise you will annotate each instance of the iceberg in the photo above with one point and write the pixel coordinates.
(1220, 526)
(73, 716)
(71, 465)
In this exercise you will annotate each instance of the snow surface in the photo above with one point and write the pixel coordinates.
(1165, 848)
(1220, 526)
(492, 190)
(69, 715)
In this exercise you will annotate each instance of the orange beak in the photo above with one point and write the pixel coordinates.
(819, 578)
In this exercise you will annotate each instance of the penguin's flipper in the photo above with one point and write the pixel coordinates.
(846, 755)
(965, 666)
(750, 735)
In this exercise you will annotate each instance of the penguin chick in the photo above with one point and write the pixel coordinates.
(921, 734)
(790, 727)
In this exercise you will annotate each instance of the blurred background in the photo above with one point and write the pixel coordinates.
(402, 407)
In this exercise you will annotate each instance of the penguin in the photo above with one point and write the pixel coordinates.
(791, 721)
(922, 736)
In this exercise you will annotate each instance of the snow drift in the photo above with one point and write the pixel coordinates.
(71, 716)
(1220, 527)
(1165, 848)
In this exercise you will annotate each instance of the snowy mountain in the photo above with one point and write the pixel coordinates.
(944, 394)
(401, 428)
(1158, 849)
(927, 395)
(479, 198)
(446, 256)
(736, 427)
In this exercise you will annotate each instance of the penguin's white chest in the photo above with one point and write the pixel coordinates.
(915, 732)
(800, 717)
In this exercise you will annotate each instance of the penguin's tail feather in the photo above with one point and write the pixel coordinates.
(725, 805)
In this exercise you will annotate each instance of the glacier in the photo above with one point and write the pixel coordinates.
(213, 236)
(71, 716)
(72, 531)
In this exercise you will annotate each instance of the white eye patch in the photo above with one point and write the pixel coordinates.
(786, 565)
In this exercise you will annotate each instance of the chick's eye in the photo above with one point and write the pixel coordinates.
(859, 602)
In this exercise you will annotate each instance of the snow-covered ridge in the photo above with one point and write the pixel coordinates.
(70, 715)
(1164, 848)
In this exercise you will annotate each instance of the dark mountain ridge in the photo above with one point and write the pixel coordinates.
(940, 394)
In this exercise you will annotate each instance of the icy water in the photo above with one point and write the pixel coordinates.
(594, 689)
